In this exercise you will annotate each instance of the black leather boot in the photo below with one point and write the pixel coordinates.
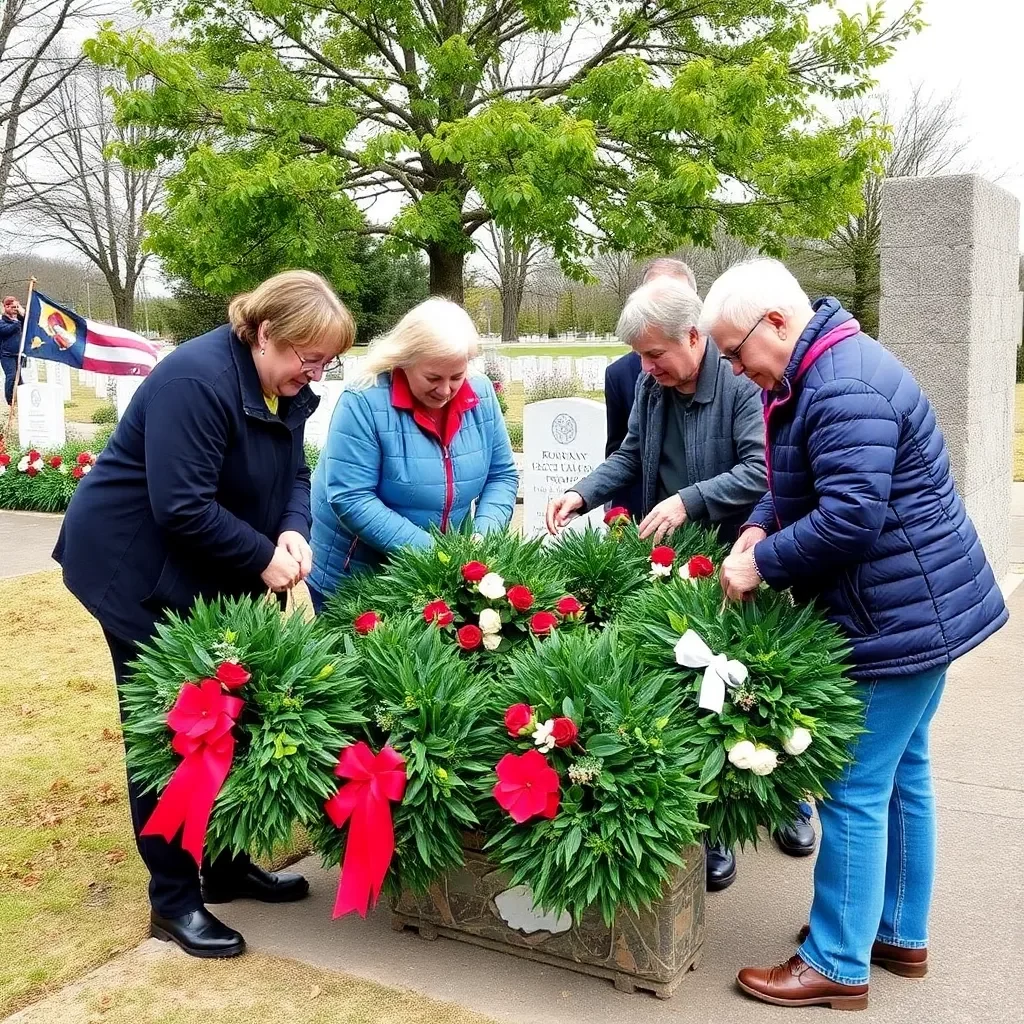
(256, 884)
(798, 838)
(721, 868)
(198, 933)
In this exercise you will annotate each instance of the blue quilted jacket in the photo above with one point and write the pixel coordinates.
(383, 478)
(861, 510)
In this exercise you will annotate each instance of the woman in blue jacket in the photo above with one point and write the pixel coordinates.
(203, 490)
(414, 443)
(861, 515)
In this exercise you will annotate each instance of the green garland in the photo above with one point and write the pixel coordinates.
(53, 479)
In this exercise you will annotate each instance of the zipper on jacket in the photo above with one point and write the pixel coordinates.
(449, 487)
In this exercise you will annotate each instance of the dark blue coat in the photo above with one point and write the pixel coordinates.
(191, 493)
(620, 379)
(862, 512)
(10, 337)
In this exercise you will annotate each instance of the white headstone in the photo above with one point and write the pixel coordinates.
(41, 415)
(563, 441)
(86, 378)
(30, 372)
(101, 385)
(319, 423)
(63, 377)
(126, 388)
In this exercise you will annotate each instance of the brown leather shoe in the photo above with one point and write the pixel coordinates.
(795, 983)
(907, 963)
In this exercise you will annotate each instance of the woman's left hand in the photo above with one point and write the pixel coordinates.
(298, 547)
(739, 576)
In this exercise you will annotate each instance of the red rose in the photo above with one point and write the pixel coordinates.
(232, 675)
(519, 719)
(498, 386)
(366, 623)
(55, 461)
(78, 472)
(33, 455)
(663, 555)
(568, 605)
(527, 786)
(701, 567)
(543, 622)
(520, 598)
(31, 471)
(474, 572)
(85, 458)
(5, 460)
(564, 731)
(439, 613)
(470, 637)
(613, 515)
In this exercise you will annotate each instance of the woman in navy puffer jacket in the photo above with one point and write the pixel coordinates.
(862, 515)
(413, 444)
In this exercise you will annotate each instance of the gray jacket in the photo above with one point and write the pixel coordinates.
(724, 447)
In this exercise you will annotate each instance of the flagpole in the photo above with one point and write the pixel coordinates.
(21, 353)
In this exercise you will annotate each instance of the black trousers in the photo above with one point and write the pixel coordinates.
(173, 875)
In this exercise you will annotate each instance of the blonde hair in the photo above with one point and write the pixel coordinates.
(299, 309)
(435, 329)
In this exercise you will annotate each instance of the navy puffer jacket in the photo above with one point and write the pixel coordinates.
(861, 510)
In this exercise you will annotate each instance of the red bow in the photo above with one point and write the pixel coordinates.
(376, 779)
(202, 719)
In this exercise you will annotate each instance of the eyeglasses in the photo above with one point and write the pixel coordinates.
(734, 356)
(314, 365)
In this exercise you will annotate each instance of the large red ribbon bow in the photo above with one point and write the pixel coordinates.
(202, 719)
(376, 781)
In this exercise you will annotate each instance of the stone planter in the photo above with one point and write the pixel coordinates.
(652, 950)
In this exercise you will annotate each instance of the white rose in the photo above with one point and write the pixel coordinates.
(3, 469)
(492, 586)
(799, 740)
(765, 761)
(23, 464)
(743, 755)
(660, 570)
(490, 621)
(86, 469)
(543, 736)
(492, 641)
(39, 465)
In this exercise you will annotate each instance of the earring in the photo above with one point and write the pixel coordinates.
(263, 351)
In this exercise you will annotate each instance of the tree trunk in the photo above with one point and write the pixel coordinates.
(445, 272)
(511, 303)
(124, 305)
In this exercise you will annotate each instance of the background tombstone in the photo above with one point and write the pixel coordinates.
(41, 415)
(319, 423)
(30, 372)
(100, 385)
(951, 311)
(63, 377)
(563, 441)
(126, 388)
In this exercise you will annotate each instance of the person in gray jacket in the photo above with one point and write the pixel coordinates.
(695, 441)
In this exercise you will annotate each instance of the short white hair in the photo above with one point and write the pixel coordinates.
(750, 289)
(667, 304)
(435, 329)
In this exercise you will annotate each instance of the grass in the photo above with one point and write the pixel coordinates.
(575, 351)
(1018, 434)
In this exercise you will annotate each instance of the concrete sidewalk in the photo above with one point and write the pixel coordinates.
(26, 541)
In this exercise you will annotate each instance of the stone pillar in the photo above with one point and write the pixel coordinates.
(951, 312)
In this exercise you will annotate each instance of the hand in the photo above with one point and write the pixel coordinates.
(560, 510)
(663, 518)
(283, 572)
(747, 539)
(298, 547)
(739, 576)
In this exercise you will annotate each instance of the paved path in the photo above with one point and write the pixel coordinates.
(26, 540)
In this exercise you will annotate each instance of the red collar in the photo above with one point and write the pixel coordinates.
(463, 400)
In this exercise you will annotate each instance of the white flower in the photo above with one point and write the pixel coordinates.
(3, 469)
(23, 464)
(477, 538)
(684, 573)
(490, 621)
(492, 641)
(63, 469)
(743, 755)
(86, 469)
(765, 761)
(660, 570)
(543, 736)
(799, 740)
(492, 586)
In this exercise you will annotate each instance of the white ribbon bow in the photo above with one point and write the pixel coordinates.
(719, 671)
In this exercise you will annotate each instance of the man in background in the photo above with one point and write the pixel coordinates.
(11, 321)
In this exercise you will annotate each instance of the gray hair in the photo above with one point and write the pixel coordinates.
(666, 303)
(666, 266)
(749, 290)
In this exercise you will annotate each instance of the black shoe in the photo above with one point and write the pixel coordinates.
(798, 838)
(721, 863)
(198, 933)
(257, 884)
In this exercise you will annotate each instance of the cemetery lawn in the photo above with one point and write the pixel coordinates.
(516, 398)
(83, 402)
(1018, 434)
(575, 351)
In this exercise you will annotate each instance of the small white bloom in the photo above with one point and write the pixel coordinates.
(492, 586)
(23, 464)
(39, 465)
(660, 570)
(743, 755)
(799, 740)
(86, 469)
(490, 621)
(477, 538)
(543, 736)
(3, 469)
(63, 469)
(492, 641)
(765, 761)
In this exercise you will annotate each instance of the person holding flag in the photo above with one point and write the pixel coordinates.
(11, 325)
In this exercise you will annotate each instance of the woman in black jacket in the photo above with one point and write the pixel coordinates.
(203, 490)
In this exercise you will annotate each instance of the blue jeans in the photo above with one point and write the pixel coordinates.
(873, 878)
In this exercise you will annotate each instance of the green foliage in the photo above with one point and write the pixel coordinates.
(312, 455)
(551, 385)
(628, 804)
(302, 706)
(796, 663)
(50, 490)
(515, 435)
(193, 311)
(105, 413)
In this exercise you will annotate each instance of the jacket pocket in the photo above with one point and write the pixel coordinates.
(849, 589)
(163, 594)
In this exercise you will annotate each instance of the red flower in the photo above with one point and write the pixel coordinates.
(366, 623)
(232, 675)
(474, 572)
(519, 719)
(86, 458)
(438, 612)
(613, 515)
(498, 386)
(701, 567)
(33, 455)
(202, 715)
(527, 786)
(31, 471)
(78, 472)
(568, 605)
(543, 622)
(663, 555)
(55, 461)
(520, 598)
(564, 731)
(5, 460)
(469, 637)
